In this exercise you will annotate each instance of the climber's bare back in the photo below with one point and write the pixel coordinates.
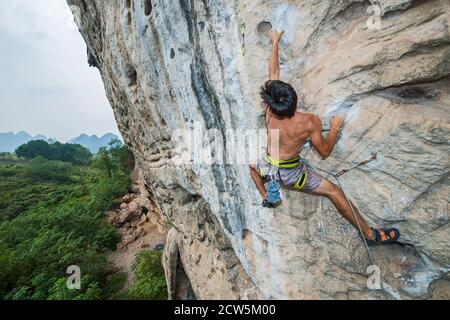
(291, 133)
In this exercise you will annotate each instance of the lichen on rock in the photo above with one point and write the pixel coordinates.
(167, 65)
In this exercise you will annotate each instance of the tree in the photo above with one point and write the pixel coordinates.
(34, 149)
(117, 159)
(73, 153)
(122, 156)
(104, 162)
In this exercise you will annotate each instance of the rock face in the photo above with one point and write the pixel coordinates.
(195, 65)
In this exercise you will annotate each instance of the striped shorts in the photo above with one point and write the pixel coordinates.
(289, 176)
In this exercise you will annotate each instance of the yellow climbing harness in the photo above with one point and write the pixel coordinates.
(283, 163)
(287, 164)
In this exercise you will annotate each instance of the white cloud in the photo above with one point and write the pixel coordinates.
(46, 85)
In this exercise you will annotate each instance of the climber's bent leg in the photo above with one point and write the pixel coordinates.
(337, 197)
(258, 180)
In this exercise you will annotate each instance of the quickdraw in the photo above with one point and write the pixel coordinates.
(372, 158)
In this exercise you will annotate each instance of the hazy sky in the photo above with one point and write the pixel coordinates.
(46, 85)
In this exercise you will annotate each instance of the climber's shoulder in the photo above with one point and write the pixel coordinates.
(307, 120)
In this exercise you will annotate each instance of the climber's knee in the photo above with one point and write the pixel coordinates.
(334, 191)
(328, 189)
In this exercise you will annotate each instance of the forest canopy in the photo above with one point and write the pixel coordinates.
(52, 216)
(65, 152)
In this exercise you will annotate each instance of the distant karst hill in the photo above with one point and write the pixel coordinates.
(94, 143)
(10, 141)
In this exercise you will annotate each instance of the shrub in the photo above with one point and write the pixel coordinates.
(149, 282)
(39, 169)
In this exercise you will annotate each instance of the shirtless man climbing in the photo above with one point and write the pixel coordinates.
(291, 129)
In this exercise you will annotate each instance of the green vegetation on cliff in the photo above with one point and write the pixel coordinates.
(149, 282)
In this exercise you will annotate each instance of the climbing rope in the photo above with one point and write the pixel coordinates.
(336, 177)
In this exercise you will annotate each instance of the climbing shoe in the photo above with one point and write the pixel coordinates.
(267, 204)
(382, 237)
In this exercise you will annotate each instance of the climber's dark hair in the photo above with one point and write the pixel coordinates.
(280, 97)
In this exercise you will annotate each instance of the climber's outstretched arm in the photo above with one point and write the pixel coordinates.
(324, 145)
(274, 66)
